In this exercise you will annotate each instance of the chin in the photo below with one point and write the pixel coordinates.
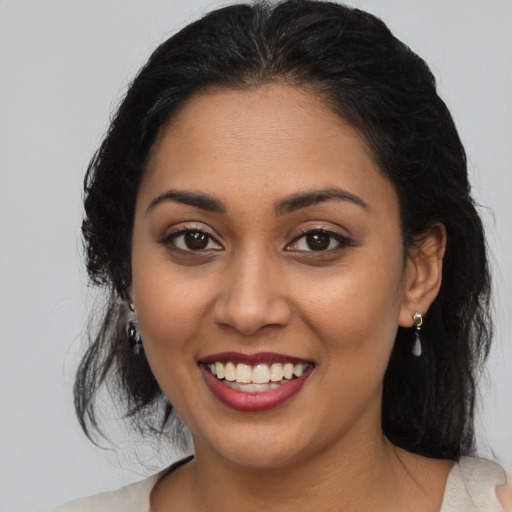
(261, 447)
(257, 457)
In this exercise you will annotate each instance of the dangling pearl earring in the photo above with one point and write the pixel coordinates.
(418, 322)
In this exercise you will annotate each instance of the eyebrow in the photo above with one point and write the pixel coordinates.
(197, 199)
(313, 197)
(286, 206)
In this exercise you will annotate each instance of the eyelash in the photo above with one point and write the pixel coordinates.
(169, 241)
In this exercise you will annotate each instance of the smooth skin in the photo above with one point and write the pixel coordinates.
(227, 258)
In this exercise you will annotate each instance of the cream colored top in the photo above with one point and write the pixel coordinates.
(471, 487)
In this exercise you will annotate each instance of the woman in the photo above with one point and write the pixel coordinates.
(282, 215)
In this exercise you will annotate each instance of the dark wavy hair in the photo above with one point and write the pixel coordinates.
(388, 94)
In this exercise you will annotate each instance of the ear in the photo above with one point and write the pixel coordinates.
(423, 274)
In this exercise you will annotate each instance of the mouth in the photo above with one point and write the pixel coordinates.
(257, 382)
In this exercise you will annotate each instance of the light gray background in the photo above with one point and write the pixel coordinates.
(63, 66)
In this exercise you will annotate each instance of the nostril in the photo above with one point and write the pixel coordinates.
(250, 318)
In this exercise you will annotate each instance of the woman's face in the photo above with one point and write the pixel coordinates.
(268, 275)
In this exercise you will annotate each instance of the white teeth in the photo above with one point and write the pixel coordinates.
(276, 372)
(219, 370)
(229, 372)
(243, 373)
(259, 374)
(288, 370)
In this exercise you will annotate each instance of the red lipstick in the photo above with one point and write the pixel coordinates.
(247, 401)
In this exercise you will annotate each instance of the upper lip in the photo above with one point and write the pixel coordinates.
(252, 359)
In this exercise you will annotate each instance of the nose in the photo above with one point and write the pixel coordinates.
(252, 297)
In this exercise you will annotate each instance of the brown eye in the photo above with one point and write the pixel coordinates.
(318, 241)
(191, 240)
(195, 240)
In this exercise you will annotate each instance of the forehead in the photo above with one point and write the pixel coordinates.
(274, 138)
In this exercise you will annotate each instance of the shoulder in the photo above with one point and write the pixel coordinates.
(472, 486)
(132, 498)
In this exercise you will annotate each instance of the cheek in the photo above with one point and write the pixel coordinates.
(355, 311)
(355, 316)
(169, 320)
(171, 307)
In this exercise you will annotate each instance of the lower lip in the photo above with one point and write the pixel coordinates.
(253, 402)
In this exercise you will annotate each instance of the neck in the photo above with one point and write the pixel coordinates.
(362, 471)
(326, 481)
